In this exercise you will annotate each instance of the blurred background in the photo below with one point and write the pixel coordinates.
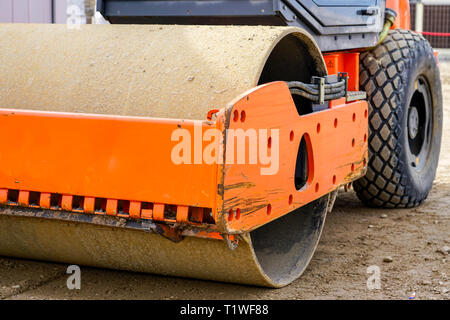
(45, 11)
(430, 17)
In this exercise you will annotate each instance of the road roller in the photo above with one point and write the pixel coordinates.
(209, 139)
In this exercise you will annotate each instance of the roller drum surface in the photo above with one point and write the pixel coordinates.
(273, 255)
(137, 70)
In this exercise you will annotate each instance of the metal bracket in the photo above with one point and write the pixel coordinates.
(344, 76)
(232, 244)
(321, 82)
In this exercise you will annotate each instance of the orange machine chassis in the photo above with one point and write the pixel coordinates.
(122, 167)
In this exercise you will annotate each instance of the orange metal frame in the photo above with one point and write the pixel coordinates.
(122, 166)
(347, 62)
(337, 150)
(403, 20)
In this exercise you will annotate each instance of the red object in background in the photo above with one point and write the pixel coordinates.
(436, 34)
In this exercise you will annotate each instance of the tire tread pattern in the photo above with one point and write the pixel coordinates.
(383, 75)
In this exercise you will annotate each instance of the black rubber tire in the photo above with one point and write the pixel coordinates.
(388, 74)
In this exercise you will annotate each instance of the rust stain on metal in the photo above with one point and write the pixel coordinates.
(173, 234)
(246, 205)
(239, 185)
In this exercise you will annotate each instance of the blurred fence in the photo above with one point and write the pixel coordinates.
(434, 23)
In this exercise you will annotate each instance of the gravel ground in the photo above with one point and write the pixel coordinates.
(405, 244)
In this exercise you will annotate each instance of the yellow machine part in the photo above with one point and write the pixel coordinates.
(166, 72)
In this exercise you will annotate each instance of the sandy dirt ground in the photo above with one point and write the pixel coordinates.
(354, 238)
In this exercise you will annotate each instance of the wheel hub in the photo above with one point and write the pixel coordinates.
(419, 124)
(413, 122)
